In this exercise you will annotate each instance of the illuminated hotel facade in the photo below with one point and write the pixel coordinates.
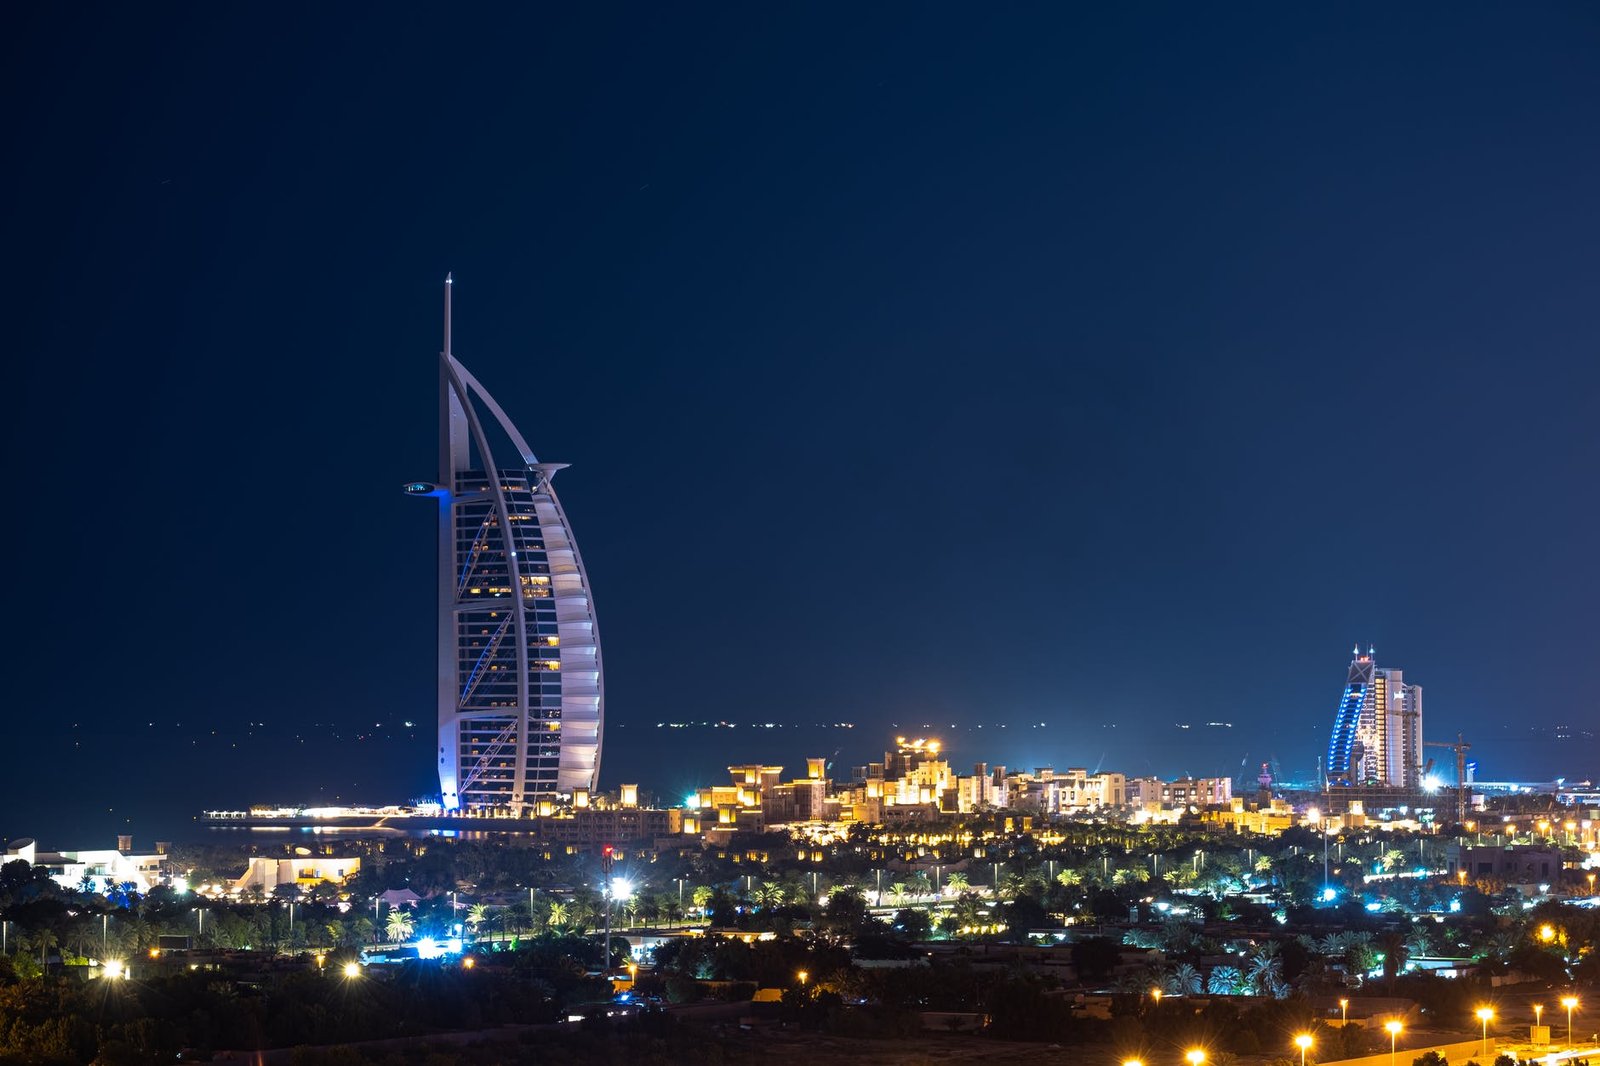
(520, 692)
(1377, 731)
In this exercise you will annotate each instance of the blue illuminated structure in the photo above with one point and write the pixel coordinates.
(519, 687)
(1377, 731)
(1346, 750)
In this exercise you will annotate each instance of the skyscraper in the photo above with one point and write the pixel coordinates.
(1377, 732)
(520, 695)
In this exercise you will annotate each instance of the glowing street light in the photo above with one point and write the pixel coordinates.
(1485, 1014)
(352, 969)
(1538, 1013)
(1132, 1062)
(1547, 932)
(1394, 1027)
(1195, 1056)
(1344, 1012)
(1571, 1003)
(114, 968)
(1155, 994)
(1303, 1042)
(803, 975)
(468, 963)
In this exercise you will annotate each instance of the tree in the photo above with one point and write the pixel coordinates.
(913, 923)
(1266, 976)
(956, 883)
(1224, 981)
(477, 914)
(702, 897)
(1186, 981)
(398, 926)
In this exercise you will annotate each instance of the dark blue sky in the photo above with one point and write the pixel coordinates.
(915, 362)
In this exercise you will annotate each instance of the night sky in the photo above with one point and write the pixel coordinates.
(1112, 366)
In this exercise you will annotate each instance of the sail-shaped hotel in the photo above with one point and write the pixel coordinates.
(520, 695)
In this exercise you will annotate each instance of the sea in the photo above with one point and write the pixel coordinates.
(82, 788)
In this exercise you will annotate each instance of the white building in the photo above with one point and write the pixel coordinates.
(519, 688)
(305, 871)
(99, 870)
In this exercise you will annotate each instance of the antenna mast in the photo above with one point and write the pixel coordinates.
(449, 283)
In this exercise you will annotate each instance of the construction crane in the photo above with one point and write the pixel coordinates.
(1460, 747)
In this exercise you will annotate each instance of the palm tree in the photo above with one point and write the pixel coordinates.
(44, 940)
(398, 926)
(1186, 981)
(955, 883)
(1266, 975)
(1224, 981)
(477, 914)
(560, 913)
(702, 896)
(897, 893)
(768, 895)
(966, 910)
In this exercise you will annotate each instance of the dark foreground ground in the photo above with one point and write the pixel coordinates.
(699, 1046)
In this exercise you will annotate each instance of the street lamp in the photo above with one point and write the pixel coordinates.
(1132, 1062)
(1547, 932)
(1394, 1027)
(1155, 994)
(1538, 1013)
(1344, 1012)
(1484, 1015)
(352, 969)
(1195, 1056)
(1571, 1003)
(803, 975)
(1303, 1042)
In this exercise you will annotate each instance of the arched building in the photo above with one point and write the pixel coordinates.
(520, 692)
